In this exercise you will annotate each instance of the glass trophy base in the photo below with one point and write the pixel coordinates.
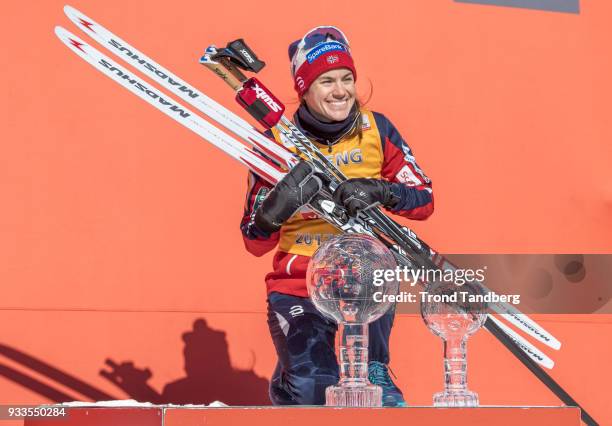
(363, 395)
(462, 398)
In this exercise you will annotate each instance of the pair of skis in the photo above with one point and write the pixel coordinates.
(406, 245)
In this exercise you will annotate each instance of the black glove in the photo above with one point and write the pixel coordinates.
(361, 193)
(290, 193)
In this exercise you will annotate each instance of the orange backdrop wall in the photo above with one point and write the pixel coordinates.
(119, 228)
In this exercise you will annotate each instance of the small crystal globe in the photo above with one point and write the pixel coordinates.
(454, 313)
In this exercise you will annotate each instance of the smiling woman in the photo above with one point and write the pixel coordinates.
(381, 169)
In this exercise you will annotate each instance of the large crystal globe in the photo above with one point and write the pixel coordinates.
(345, 278)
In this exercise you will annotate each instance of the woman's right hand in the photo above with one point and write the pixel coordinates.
(290, 193)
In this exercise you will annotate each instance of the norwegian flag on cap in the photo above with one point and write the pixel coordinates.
(320, 50)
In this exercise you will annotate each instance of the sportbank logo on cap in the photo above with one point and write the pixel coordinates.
(324, 48)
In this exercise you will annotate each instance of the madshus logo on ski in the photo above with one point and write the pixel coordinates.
(143, 88)
(87, 24)
(150, 67)
(260, 103)
(77, 44)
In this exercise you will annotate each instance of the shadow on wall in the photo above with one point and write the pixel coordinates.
(209, 376)
(56, 375)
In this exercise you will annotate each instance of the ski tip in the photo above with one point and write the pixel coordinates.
(60, 31)
(80, 19)
(69, 9)
(73, 14)
(64, 33)
(551, 341)
(69, 39)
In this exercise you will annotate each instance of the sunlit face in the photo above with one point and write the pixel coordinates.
(332, 95)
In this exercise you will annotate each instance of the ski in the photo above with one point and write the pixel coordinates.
(179, 87)
(172, 109)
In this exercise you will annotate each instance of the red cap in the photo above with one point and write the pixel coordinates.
(322, 49)
(309, 71)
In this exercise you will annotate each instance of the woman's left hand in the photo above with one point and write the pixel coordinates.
(361, 193)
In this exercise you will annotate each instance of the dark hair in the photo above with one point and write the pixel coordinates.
(357, 129)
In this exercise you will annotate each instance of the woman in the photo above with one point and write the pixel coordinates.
(381, 169)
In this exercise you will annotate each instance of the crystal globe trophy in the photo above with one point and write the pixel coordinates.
(341, 284)
(450, 314)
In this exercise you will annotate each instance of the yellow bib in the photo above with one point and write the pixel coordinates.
(303, 232)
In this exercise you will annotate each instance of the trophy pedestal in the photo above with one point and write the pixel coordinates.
(163, 415)
(357, 395)
(460, 398)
